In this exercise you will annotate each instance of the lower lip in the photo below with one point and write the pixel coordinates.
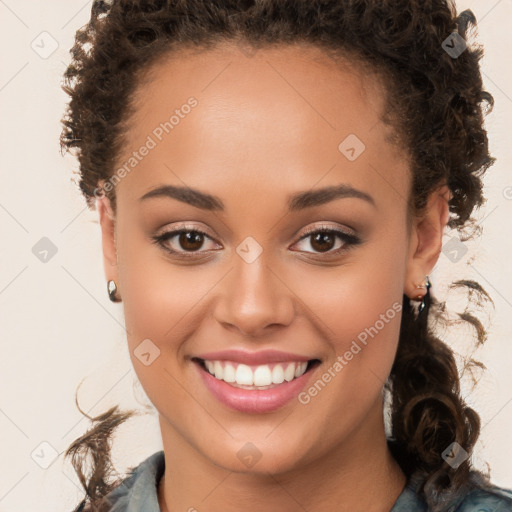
(254, 400)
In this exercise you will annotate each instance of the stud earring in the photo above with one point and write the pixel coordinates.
(112, 290)
(421, 297)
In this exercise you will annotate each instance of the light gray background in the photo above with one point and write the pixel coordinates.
(58, 325)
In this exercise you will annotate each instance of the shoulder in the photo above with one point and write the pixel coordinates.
(480, 495)
(491, 499)
(138, 490)
(477, 495)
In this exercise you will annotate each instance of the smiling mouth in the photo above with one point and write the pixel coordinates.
(256, 377)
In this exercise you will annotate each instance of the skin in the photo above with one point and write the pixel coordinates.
(265, 127)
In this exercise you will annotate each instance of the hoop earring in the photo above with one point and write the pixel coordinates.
(112, 290)
(423, 298)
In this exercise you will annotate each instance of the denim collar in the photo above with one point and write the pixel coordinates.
(139, 491)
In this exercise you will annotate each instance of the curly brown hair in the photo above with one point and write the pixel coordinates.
(436, 105)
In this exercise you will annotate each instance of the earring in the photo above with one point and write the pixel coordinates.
(112, 290)
(427, 286)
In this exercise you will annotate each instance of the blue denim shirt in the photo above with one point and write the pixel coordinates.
(138, 493)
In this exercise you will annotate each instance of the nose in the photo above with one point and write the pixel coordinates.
(254, 299)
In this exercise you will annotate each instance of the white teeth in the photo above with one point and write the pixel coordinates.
(262, 376)
(289, 373)
(209, 367)
(244, 375)
(277, 374)
(301, 368)
(229, 373)
(258, 376)
(219, 372)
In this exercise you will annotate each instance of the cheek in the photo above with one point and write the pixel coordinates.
(357, 307)
(349, 299)
(157, 294)
(360, 319)
(159, 300)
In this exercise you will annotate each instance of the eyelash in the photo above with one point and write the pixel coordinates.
(349, 240)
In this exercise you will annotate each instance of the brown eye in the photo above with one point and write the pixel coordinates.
(329, 241)
(322, 241)
(191, 240)
(183, 242)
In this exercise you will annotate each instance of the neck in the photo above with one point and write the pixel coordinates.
(358, 474)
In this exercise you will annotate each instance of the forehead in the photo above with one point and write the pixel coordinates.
(283, 115)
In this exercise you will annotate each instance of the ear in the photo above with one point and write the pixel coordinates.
(108, 237)
(426, 240)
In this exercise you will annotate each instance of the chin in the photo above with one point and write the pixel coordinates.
(257, 457)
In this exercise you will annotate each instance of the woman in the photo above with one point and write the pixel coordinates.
(273, 180)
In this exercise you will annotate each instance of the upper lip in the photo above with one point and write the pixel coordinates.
(253, 358)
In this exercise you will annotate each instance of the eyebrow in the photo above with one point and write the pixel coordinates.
(296, 202)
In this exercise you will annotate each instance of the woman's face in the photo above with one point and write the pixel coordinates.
(245, 145)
